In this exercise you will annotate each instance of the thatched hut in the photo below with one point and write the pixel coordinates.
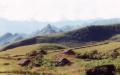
(69, 52)
(24, 62)
(63, 62)
(44, 52)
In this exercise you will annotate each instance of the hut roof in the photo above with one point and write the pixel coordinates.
(69, 52)
(63, 62)
(24, 62)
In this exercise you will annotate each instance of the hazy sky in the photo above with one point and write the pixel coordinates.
(57, 10)
(53, 11)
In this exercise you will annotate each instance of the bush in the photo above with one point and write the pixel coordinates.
(37, 61)
(114, 54)
(36, 58)
(50, 64)
(6, 64)
(90, 55)
(97, 55)
(52, 47)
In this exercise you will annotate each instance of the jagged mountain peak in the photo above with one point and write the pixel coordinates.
(48, 29)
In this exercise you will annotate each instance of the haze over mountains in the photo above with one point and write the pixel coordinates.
(83, 35)
(32, 26)
(9, 37)
(51, 29)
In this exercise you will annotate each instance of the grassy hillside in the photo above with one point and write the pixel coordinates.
(26, 49)
(77, 67)
(83, 35)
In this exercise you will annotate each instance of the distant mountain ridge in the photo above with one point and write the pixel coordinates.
(32, 26)
(82, 35)
(9, 37)
(51, 29)
(105, 21)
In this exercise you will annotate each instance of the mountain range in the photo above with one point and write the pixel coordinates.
(31, 26)
(9, 37)
(51, 29)
(80, 36)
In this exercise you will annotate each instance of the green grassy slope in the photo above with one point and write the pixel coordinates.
(78, 65)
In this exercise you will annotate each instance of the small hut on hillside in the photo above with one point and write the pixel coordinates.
(63, 62)
(69, 52)
(44, 52)
(24, 62)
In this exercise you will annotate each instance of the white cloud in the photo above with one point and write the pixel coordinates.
(108, 8)
(56, 10)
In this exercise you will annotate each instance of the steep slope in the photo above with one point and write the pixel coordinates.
(83, 35)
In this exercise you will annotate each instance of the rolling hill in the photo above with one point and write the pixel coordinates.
(82, 35)
(106, 40)
(77, 67)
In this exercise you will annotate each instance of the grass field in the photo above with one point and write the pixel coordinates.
(78, 65)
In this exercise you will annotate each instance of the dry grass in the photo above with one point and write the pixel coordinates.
(78, 65)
